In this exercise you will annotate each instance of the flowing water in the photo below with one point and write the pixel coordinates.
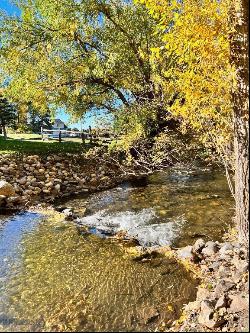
(170, 208)
(53, 277)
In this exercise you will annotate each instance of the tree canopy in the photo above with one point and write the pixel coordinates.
(196, 35)
(143, 66)
(80, 55)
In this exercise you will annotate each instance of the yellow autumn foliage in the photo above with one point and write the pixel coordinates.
(195, 61)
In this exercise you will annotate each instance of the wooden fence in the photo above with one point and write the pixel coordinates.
(102, 136)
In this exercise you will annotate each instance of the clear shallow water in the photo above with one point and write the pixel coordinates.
(170, 208)
(53, 278)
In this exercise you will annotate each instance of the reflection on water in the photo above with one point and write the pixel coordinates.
(174, 208)
(53, 278)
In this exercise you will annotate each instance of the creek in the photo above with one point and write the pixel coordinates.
(54, 277)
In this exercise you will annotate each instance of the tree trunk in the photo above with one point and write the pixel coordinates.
(239, 54)
(4, 131)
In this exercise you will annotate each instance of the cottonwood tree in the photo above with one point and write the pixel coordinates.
(209, 40)
(240, 58)
(82, 56)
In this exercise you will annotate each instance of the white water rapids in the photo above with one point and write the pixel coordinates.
(136, 224)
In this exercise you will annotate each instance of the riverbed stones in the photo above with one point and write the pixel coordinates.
(185, 252)
(222, 302)
(202, 293)
(57, 187)
(13, 199)
(193, 306)
(69, 214)
(2, 200)
(224, 290)
(208, 317)
(206, 314)
(6, 188)
(241, 265)
(198, 246)
(210, 249)
(226, 247)
(239, 303)
(223, 286)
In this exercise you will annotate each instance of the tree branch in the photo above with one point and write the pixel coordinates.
(99, 81)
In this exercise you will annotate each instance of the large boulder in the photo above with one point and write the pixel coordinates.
(6, 188)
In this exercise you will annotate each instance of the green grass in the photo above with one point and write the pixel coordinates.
(38, 137)
(25, 136)
(40, 147)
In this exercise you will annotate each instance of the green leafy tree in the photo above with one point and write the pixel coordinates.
(38, 119)
(82, 56)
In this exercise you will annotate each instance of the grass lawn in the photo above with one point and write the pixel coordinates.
(36, 137)
(24, 136)
(40, 147)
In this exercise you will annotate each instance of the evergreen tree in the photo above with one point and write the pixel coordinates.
(8, 115)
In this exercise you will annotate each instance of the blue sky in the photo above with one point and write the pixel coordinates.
(8, 7)
(88, 120)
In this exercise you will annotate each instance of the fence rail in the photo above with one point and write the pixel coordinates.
(102, 135)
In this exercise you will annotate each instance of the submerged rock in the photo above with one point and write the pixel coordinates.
(137, 252)
(149, 315)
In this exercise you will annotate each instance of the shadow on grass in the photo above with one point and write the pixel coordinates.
(41, 147)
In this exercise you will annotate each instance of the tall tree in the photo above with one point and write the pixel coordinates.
(240, 58)
(195, 36)
(212, 57)
(80, 55)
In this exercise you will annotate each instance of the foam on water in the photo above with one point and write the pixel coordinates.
(156, 209)
(136, 224)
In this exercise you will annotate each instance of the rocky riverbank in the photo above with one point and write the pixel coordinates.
(26, 179)
(222, 298)
(222, 302)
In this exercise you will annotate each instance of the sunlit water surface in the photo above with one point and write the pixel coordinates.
(170, 208)
(55, 278)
